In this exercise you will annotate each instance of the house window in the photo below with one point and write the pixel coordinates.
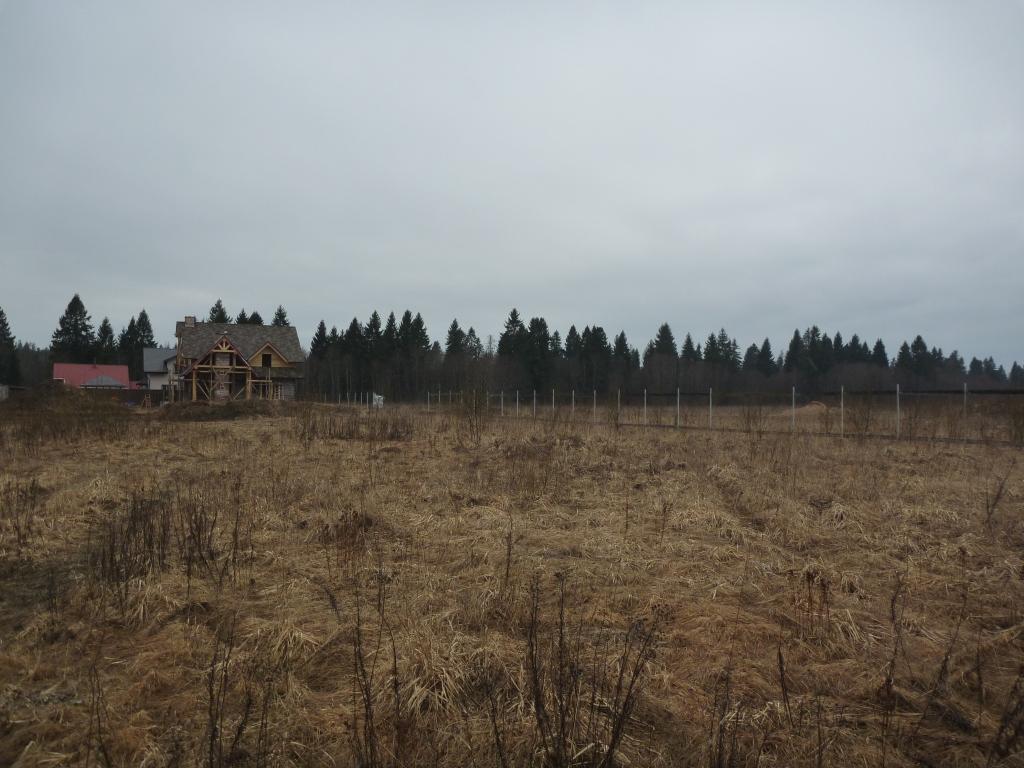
(267, 359)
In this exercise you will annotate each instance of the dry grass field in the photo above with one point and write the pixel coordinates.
(320, 586)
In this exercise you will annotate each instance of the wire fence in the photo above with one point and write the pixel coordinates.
(989, 416)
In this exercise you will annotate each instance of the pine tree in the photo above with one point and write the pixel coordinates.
(405, 333)
(573, 343)
(73, 341)
(374, 336)
(280, 318)
(1016, 375)
(511, 341)
(218, 314)
(106, 344)
(955, 364)
(318, 346)
(536, 354)
(145, 330)
(921, 360)
(690, 353)
(975, 369)
(839, 348)
(255, 318)
(128, 340)
(665, 342)
(420, 338)
(620, 348)
(10, 368)
(750, 358)
(243, 318)
(389, 341)
(795, 353)
(878, 354)
(766, 359)
(455, 344)
(474, 348)
(905, 359)
(556, 345)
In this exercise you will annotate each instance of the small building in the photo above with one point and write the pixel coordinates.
(158, 366)
(220, 362)
(89, 376)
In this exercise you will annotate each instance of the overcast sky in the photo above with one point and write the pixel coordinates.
(759, 166)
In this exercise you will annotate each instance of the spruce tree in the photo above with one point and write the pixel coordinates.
(218, 314)
(511, 341)
(689, 353)
(975, 369)
(255, 318)
(145, 331)
(280, 318)
(106, 344)
(556, 344)
(474, 348)
(10, 368)
(573, 343)
(795, 353)
(420, 338)
(665, 342)
(242, 318)
(73, 340)
(750, 358)
(1016, 375)
(620, 349)
(455, 344)
(390, 336)
(373, 333)
(318, 346)
(766, 359)
(904, 359)
(878, 354)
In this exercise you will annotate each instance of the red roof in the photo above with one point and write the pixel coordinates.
(85, 375)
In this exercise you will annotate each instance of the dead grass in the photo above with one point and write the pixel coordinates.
(324, 586)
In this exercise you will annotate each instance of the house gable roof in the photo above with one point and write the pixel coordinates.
(196, 340)
(154, 359)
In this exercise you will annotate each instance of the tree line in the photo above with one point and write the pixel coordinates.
(397, 358)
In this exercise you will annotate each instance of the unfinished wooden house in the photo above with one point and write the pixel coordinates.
(221, 362)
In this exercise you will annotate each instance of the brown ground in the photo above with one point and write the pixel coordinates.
(178, 592)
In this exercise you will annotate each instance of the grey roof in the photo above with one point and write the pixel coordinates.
(195, 341)
(154, 359)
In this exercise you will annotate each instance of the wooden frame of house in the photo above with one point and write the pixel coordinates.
(223, 362)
